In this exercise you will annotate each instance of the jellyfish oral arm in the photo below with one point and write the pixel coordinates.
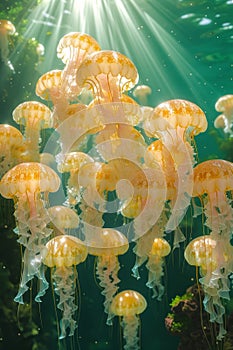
(130, 326)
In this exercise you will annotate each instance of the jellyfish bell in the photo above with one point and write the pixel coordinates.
(6, 29)
(64, 253)
(128, 304)
(225, 105)
(141, 92)
(63, 219)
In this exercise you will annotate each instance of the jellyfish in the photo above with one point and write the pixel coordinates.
(225, 105)
(63, 254)
(128, 304)
(175, 123)
(6, 29)
(29, 184)
(141, 92)
(63, 219)
(214, 259)
(71, 163)
(72, 49)
(160, 248)
(108, 74)
(34, 116)
(107, 244)
(11, 148)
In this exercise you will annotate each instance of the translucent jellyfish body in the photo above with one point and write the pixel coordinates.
(62, 219)
(141, 92)
(175, 123)
(11, 147)
(72, 50)
(225, 120)
(29, 184)
(63, 254)
(33, 116)
(128, 304)
(107, 245)
(108, 74)
(6, 29)
(214, 259)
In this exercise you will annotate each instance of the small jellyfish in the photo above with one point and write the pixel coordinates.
(108, 74)
(34, 116)
(225, 105)
(62, 219)
(6, 29)
(160, 248)
(175, 123)
(11, 147)
(63, 254)
(71, 163)
(107, 244)
(29, 184)
(141, 92)
(214, 259)
(128, 304)
(72, 49)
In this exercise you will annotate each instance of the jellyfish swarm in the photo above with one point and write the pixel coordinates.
(175, 123)
(128, 304)
(63, 254)
(29, 184)
(213, 183)
(225, 120)
(6, 29)
(107, 245)
(214, 259)
(34, 116)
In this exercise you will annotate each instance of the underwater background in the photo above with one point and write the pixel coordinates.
(182, 49)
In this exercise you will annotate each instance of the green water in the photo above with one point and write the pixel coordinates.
(186, 53)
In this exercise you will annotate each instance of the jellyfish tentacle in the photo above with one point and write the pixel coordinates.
(107, 269)
(130, 326)
(64, 280)
(155, 268)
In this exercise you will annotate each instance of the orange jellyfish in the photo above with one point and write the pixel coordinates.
(108, 74)
(11, 141)
(141, 92)
(107, 244)
(72, 49)
(214, 259)
(6, 29)
(63, 254)
(128, 304)
(175, 123)
(62, 219)
(225, 105)
(160, 248)
(34, 116)
(71, 163)
(28, 184)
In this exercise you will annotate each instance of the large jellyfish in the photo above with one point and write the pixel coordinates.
(108, 74)
(175, 123)
(107, 244)
(34, 116)
(63, 254)
(72, 49)
(225, 120)
(214, 259)
(128, 304)
(11, 147)
(29, 184)
(6, 29)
